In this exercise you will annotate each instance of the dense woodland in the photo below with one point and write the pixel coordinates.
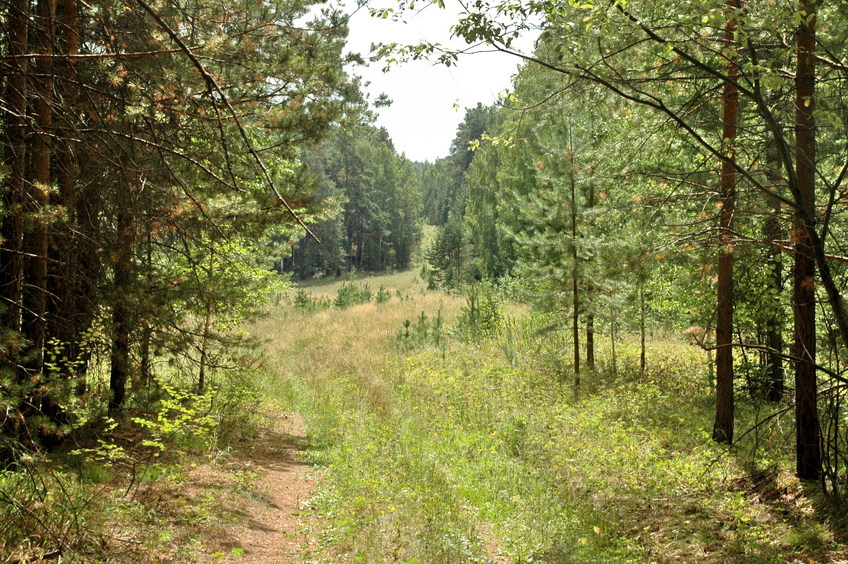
(149, 154)
(657, 169)
(377, 197)
(650, 153)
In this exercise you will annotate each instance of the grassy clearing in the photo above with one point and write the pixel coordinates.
(482, 451)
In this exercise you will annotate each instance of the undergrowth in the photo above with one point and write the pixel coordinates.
(452, 430)
(479, 448)
(100, 496)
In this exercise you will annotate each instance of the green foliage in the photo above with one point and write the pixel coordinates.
(184, 418)
(482, 316)
(44, 507)
(305, 302)
(382, 295)
(374, 192)
(423, 333)
(618, 99)
(71, 499)
(237, 394)
(447, 257)
(443, 182)
(162, 249)
(505, 455)
(351, 294)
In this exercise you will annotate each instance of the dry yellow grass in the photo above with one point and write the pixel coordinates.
(354, 342)
(407, 282)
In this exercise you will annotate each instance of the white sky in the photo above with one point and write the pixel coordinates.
(422, 119)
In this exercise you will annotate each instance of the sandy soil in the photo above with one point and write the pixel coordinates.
(245, 507)
(273, 530)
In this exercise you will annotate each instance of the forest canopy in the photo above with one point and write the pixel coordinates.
(150, 150)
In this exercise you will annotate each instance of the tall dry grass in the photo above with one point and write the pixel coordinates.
(483, 451)
(354, 342)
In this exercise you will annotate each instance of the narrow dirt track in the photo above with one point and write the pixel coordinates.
(260, 519)
(275, 531)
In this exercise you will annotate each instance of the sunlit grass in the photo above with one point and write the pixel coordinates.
(485, 451)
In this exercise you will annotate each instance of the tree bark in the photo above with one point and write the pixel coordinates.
(575, 294)
(207, 325)
(121, 322)
(643, 329)
(11, 230)
(34, 315)
(613, 356)
(67, 282)
(590, 318)
(145, 376)
(774, 385)
(723, 426)
(808, 451)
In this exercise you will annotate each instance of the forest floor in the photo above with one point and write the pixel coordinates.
(246, 506)
(276, 528)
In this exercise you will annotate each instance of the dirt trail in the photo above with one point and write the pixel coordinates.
(273, 531)
(252, 503)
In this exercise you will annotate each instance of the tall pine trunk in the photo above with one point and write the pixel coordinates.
(71, 314)
(207, 325)
(34, 315)
(121, 322)
(808, 451)
(590, 289)
(723, 427)
(11, 230)
(643, 329)
(773, 387)
(575, 293)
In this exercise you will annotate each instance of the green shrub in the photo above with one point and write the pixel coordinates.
(305, 302)
(350, 294)
(383, 295)
(482, 315)
(424, 332)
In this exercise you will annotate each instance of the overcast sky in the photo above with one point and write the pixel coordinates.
(422, 119)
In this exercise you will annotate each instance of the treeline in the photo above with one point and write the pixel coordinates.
(669, 168)
(149, 151)
(375, 220)
(444, 194)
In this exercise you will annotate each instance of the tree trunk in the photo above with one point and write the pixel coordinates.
(207, 325)
(145, 376)
(11, 230)
(590, 318)
(723, 427)
(643, 330)
(774, 384)
(71, 315)
(34, 315)
(120, 357)
(613, 356)
(808, 451)
(575, 305)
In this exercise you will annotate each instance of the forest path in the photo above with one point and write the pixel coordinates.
(274, 530)
(253, 500)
